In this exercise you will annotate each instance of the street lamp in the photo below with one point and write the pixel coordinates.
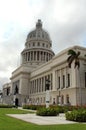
(47, 85)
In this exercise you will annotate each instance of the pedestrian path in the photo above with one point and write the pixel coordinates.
(42, 120)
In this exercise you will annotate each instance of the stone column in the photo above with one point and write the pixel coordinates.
(44, 84)
(56, 79)
(27, 56)
(39, 55)
(45, 57)
(50, 81)
(66, 78)
(53, 81)
(42, 56)
(23, 57)
(41, 86)
(48, 56)
(36, 85)
(61, 79)
(32, 87)
(30, 56)
(33, 55)
(36, 55)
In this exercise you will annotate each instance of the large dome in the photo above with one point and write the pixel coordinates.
(38, 33)
(37, 47)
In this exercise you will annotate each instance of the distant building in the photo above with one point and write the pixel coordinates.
(1, 96)
(39, 64)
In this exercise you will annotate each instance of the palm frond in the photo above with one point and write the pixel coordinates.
(71, 52)
(73, 56)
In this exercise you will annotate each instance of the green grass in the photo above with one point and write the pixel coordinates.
(9, 123)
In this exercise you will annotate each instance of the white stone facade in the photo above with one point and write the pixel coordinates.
(67, 85)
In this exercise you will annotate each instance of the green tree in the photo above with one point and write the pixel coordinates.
(73, 56)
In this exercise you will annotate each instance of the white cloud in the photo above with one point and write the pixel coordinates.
(65, 20)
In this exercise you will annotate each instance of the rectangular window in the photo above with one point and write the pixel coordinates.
(8, 91)
(68, 76)
(58, 82)
(63, 81)
(85, 79)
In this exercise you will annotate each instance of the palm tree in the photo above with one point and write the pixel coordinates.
(73, 56)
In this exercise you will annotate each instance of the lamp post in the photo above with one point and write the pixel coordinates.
(47, 85)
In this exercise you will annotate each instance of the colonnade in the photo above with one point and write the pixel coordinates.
(63, 78)
(38, 85)
(36, 56)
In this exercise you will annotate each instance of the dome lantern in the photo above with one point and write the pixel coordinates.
(39, 24)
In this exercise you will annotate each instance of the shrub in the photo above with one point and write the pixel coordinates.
(77, 115)
(47, 112)
(61, 109)
(33, 107)
(5, 106)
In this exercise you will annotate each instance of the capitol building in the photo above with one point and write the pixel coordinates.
(39, 65)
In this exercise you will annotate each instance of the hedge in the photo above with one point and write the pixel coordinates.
(47, 112)
(5, 106)
(33, 107)
(76, 115)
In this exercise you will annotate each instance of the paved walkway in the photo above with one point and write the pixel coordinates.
(42, 120)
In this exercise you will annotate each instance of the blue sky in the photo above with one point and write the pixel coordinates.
(65, 20)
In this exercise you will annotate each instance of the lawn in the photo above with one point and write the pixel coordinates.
(9, 123)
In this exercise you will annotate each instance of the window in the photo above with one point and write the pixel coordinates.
(63, 81)
(68, 76)
(85, 79)
(8, 91)
(43, 44)
(58, 82)
(16, 90)
(33, 44)
(38, 44)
